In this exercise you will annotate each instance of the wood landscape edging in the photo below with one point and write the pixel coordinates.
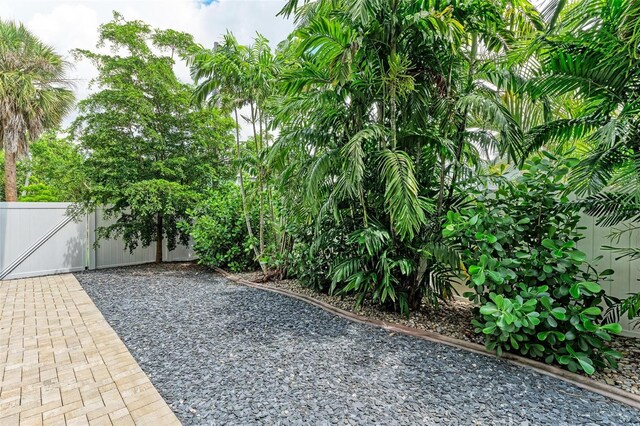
(546, 369)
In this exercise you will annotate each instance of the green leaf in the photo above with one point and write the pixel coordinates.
(575, 291)
(586, 365)
(488, 309)
(496, 277)
(543, 335)
(578, 256)
(593, 310)
(474, 269)
(479, 278)
(591, 287)
(614, 328)
(548, 243)
(564, 359)
(489, 330)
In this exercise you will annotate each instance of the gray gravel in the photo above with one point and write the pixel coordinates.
(221, 353)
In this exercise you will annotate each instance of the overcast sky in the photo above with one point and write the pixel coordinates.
(70, 24)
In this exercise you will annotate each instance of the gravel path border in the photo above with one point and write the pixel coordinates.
(220, 353)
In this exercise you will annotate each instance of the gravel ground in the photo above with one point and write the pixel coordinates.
(221, 353)
(454, 320)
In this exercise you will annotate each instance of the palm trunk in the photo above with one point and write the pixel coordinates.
(463, 123)
(159, 239)
(442, 184)
(274, 225)
(10, 179)
(260, 198)
(245, 210)
(392, 88)
(443, 161)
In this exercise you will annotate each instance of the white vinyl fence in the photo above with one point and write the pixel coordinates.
(40, 239)
(625, 279)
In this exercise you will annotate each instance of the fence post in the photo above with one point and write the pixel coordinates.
(91, 239)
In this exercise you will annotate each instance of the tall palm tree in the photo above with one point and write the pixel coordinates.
(34, 94)
(234, 76)
(591, 55)
(384, 112)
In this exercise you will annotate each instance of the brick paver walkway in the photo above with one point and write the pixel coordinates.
(61, 363)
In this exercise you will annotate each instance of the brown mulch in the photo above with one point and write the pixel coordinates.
(453, 319)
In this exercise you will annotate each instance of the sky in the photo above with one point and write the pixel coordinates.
(70, 24)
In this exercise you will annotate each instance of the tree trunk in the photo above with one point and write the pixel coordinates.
(26, 183)
(10, 180)
(256, 139)
(245, 208)
(159, 239)
(463, 124)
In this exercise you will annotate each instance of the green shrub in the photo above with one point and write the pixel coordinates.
(219, 230)
(314, 250)
(338, 258)
(537, 294)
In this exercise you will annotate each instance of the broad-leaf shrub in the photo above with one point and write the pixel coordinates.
(219, 230)
(315, 249)
(537, 294)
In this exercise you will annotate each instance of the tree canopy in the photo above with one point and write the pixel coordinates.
(149, 151)
(34, 95)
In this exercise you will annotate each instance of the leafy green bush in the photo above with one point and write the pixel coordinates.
(340, 258)
(315, 249)
(536, 291)
(374, 269)
(219, 231)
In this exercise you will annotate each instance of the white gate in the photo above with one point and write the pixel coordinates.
(40, 239)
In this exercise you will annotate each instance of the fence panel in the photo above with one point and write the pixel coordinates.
(39, 239)
(111, 253)
(625, 279)
(23, 228)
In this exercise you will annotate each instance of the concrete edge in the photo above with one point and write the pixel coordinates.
(550, 370)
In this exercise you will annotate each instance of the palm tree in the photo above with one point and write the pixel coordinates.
(34, 94)
(590, 53)
(384, 114)
(234, 76)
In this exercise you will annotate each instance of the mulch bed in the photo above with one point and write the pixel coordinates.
(453, 319)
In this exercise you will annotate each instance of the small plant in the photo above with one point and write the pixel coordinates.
(537, 294)
(374, 269)
(629, 307)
